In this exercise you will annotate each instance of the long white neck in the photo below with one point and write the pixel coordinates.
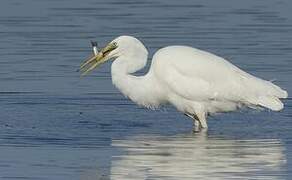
(142, 90)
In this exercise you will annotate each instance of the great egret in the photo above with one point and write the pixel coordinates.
(196, 82)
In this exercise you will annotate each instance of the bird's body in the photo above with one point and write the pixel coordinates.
(196, 82)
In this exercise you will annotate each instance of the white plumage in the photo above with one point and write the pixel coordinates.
(196, 82)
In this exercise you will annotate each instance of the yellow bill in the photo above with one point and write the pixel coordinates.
(98, 59)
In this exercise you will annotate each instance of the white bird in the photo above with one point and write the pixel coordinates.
(196, 82)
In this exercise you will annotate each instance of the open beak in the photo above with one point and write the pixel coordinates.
(98, 59)
(92, 63)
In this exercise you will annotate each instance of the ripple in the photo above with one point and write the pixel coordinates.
(198, 157)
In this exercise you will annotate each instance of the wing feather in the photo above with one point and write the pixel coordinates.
(201, 76)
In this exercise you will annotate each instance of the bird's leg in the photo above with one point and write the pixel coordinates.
(196, 122)
(201, 117)
(200, 121)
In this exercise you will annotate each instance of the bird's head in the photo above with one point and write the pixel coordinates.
(117, 47)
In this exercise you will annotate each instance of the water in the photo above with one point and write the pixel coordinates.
(56, 125)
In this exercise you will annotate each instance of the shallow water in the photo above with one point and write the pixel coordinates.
(56, 125)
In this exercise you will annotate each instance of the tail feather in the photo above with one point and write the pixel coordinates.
(271, 97)
(275, 90)
(271, 102)
(266, 94)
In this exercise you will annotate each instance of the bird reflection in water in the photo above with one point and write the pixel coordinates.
(197, 156)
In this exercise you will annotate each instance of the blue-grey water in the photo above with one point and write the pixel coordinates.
(56, 125)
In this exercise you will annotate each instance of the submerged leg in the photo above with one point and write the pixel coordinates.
(202, 119)
(197, 125)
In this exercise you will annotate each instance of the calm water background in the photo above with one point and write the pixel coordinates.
(56, 125)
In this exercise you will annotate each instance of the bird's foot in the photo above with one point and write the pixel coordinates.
(199, 127)
(196, 129)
